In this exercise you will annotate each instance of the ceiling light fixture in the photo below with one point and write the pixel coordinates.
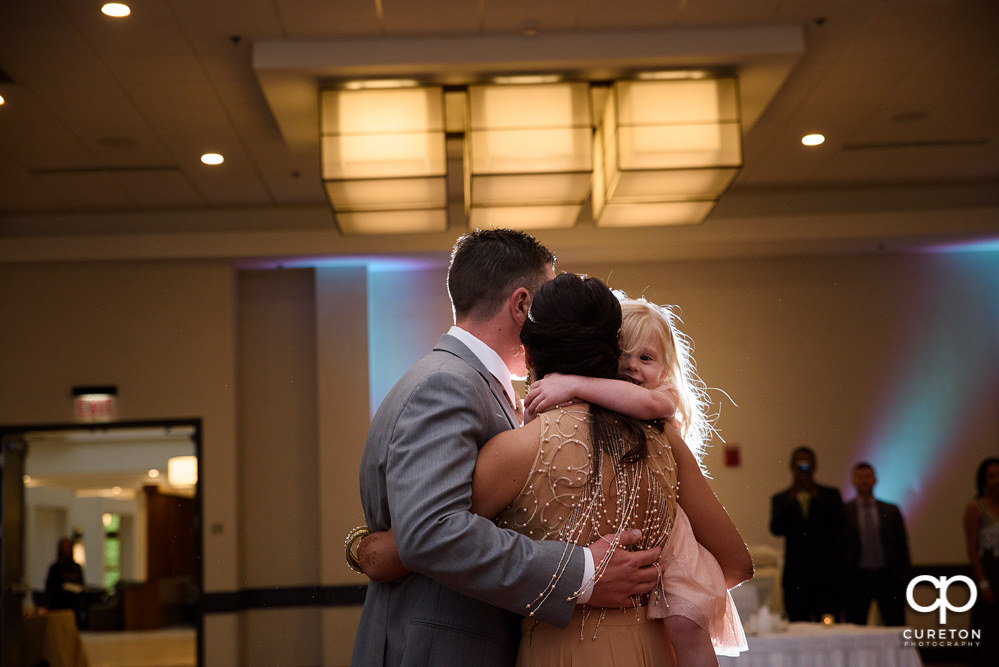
(116, 10)
(375, 84)
(212, 158)
(661, 150)
(522, 79)
(384, 163)
(672, 75)
(668, 149)
(529, 154)
(182, 470)
(813, 139)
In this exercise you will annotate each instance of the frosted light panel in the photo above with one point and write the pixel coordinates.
(521, 107)
(530, 154)
(384, 159)
(530, 151)
(378, 194)
(383, 111)
(393, 222)
(669, 102)
(670, 148)
(525, 217)
(383, 156)
(673, 184)
(382, 133)
(530, 189)
(655, 214)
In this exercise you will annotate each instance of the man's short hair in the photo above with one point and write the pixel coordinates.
(487, 265)
(806, 451)
(863, 465)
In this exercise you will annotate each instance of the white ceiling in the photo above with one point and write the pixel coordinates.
(105, 120)
(112, 462)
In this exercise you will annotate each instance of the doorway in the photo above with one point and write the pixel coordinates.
(127, 495)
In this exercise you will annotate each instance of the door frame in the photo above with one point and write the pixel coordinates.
(12, 521)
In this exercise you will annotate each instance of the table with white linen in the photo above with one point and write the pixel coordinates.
(818, 645)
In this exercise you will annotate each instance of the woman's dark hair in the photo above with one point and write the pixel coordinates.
(980, 475)
(573, 327)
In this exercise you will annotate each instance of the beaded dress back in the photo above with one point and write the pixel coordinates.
(568, 499)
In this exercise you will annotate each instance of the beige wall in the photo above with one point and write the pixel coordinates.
(831, 352)
(847, 355)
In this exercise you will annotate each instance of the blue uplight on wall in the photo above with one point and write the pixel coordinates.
(408, 310)
(948, 376)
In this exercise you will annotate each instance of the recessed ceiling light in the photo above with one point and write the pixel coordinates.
(116, 10)
(2, 100)
(812, 139)
(212, 158)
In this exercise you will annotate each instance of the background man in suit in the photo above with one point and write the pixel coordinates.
(810, 517)
(877, 553)
(416, 473)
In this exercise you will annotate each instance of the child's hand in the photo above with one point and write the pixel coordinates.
(550, 391)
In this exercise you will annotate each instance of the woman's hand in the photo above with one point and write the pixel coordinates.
(378, 557)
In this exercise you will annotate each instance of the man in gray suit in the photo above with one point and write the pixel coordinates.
(468, 575)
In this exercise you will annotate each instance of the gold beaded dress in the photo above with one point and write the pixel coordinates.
(568, 498)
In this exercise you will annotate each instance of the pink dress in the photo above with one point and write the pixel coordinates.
(694, 587)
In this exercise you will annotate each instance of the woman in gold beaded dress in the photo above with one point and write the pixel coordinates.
(698, 612)
(578, 472)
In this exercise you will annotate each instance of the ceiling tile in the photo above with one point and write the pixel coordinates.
(306, 19)
(628, 14)
(528, 17)
(437, 17)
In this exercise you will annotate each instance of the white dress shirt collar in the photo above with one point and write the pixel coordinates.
(487, 355)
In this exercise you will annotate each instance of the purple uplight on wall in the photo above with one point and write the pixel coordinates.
(947, 377)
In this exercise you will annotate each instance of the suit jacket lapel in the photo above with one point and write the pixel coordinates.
(452, 345)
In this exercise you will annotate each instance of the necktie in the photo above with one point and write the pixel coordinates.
(871, 553)
(804, 500)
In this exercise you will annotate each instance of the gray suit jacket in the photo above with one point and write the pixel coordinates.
(416, 472)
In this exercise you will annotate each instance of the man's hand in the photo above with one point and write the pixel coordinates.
(628, 573)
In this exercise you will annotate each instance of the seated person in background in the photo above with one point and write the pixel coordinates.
(64, 585)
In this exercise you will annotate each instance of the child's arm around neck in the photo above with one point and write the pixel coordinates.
(617, 395)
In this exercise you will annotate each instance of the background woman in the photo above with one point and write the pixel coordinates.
(981, 534)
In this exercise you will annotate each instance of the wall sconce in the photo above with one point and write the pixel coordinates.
(182, 470)
(528, 154)
(383, 156)
(668, 150)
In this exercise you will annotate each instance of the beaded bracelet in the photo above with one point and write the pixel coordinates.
(350, 546)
